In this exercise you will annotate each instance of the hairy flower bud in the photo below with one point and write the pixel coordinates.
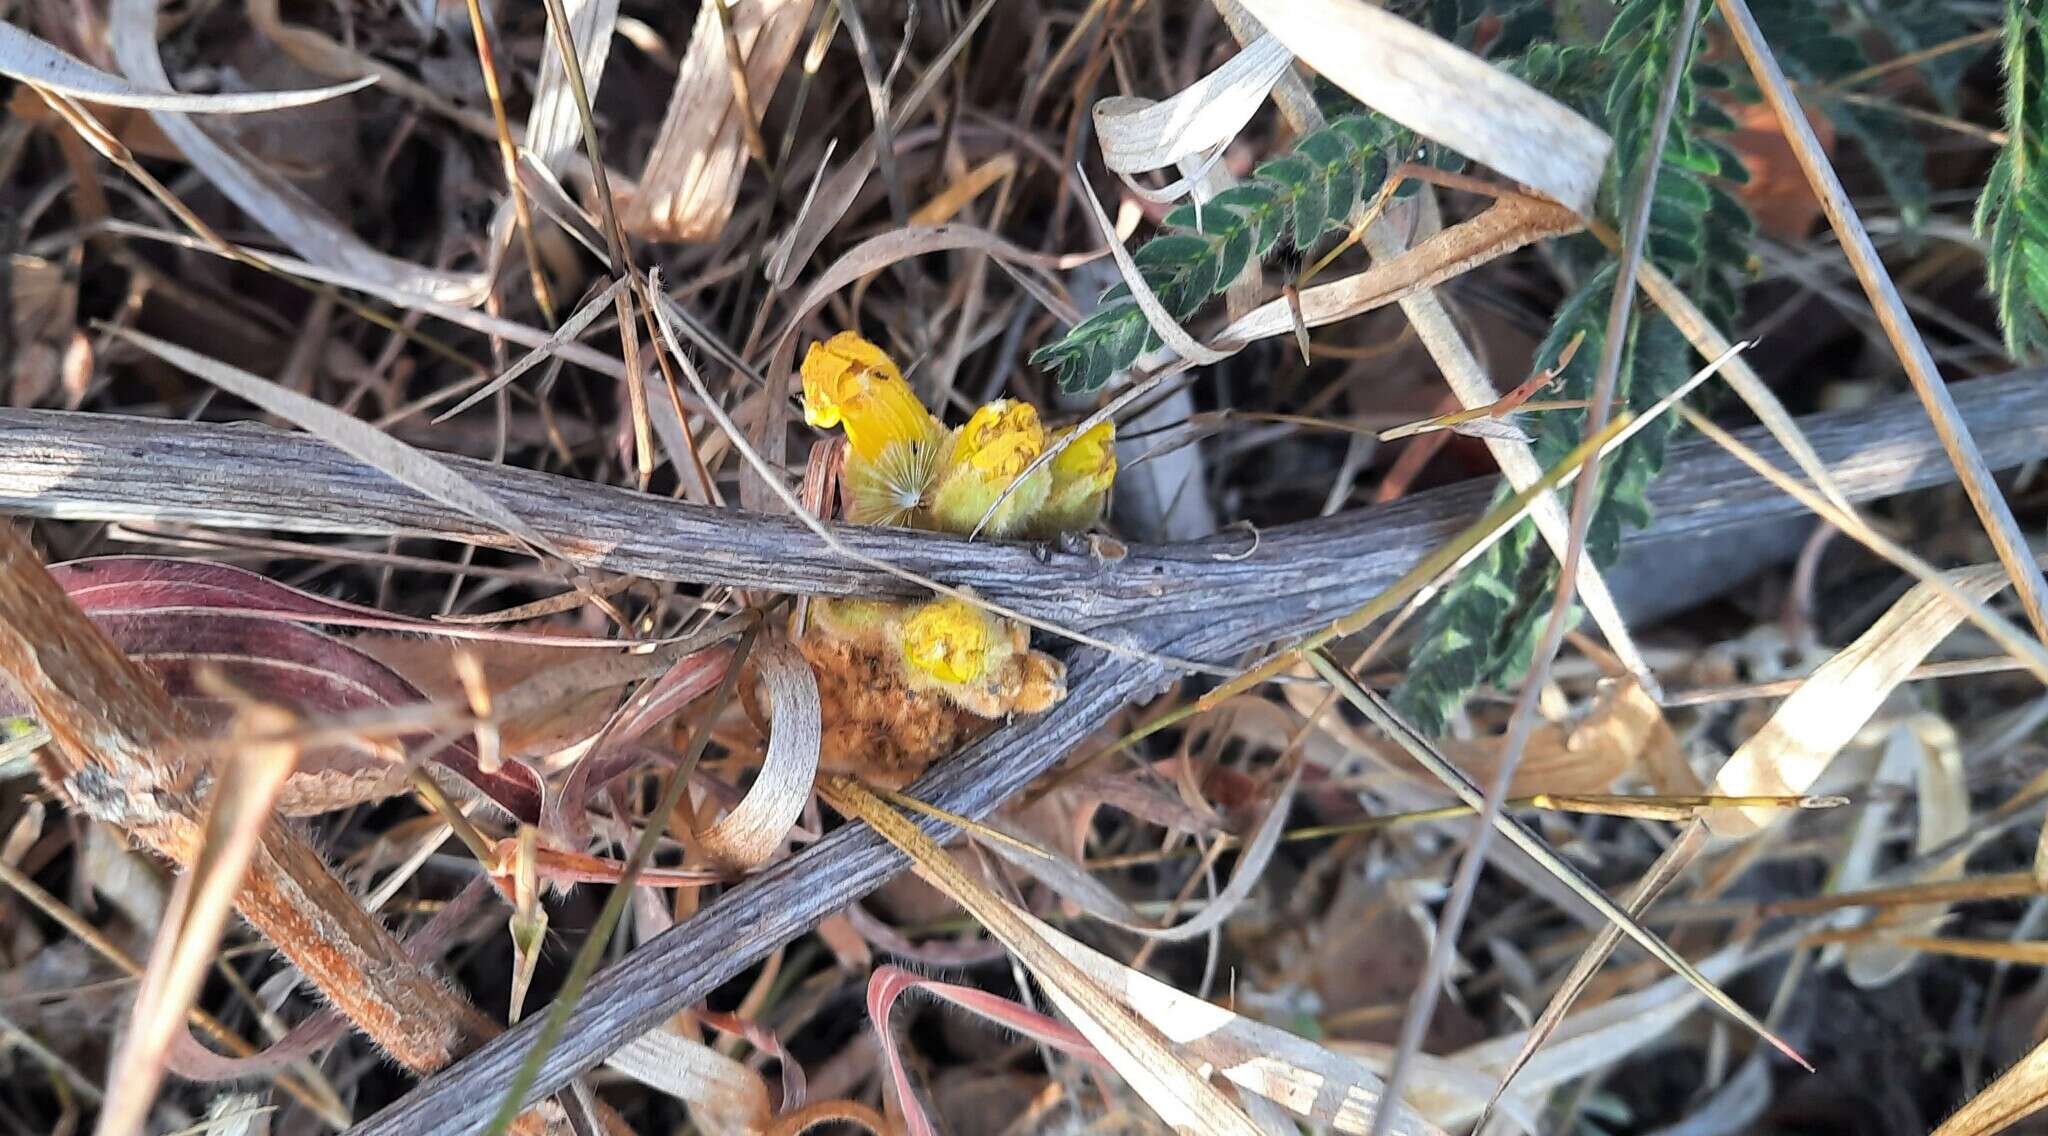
(984, 466)
(1082, 473)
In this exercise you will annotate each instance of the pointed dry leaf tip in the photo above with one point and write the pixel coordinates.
(988, 455)
(1081, 476)
(851, 383)
(953, 641)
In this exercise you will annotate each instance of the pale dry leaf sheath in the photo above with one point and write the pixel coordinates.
(34, 61)
(239, 804)
(553, 128)
(1812, 725)
(692, 177)
(1444, 93)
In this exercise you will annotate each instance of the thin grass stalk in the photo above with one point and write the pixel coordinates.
(1990, 504)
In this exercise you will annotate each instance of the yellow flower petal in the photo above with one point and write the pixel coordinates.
(952, 641)
(1001, 439)
(852, 383)
(1088, 463)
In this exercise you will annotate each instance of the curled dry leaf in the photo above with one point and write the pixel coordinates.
(177, 617)
(888, 983)
(1444, 93)
(1624, 726)
(1944, 803)
(732, 1097)
(1138, 135)
(30, 60)
(756, 827)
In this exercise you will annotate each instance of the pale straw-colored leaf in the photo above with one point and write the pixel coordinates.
(1944, 806)
(1511, 223)
(1444, 93)
(731, 1097)
(276, 204)
(1138, 135)
(30, 60)
(1813, 725)
(756, 827)
(554, 130)
(2018, 1093)
(692, 177)
(238, 811)
(360, 440)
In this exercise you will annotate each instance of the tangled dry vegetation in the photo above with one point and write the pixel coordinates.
(448, 692)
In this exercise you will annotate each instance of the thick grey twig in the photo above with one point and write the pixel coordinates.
(98, 467)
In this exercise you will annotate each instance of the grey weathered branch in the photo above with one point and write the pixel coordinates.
(106, 468)
(1205, 600)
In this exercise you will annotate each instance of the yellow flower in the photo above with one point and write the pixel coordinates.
(1002, 439)
(1081, 476)
(988, 456)
(953, 641)
(850, 382)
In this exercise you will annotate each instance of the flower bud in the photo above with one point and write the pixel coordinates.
(1081, 476)
(954, 642)
(987, 458)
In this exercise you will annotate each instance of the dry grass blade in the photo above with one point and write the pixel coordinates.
(1383, 715)
(2018, 1093)
(571, 329)
(238, 812)
(352, 436)
(1136, 1028)
(1072, 882)
(27, 59)
(273, 202)
(1662, 874)
(2022, 646)
(1444, 93)
(1985, 495)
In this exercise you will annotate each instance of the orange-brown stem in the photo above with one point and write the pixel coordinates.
(120, 753)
